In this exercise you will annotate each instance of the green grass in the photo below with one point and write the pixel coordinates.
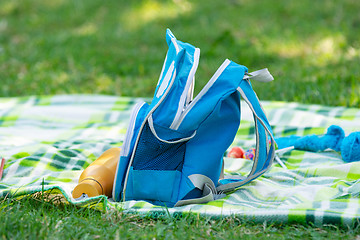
(117, 47)
(34, 218)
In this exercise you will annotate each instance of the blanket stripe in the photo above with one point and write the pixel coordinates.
(48, 140)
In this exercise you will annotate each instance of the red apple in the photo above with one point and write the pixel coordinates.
(236, 152)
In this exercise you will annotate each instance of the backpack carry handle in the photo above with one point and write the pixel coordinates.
(265, 143)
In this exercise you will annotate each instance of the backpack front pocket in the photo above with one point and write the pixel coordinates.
(158, 187)
(157, 164)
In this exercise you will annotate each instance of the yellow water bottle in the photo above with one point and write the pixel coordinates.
(98, 177)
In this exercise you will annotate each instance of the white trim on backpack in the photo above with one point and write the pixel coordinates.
(169, 76)
(231, 186)
(188, 90)
(152, 129)
(176, 124)
(125, 148)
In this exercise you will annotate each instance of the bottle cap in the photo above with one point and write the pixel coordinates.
(88, 186)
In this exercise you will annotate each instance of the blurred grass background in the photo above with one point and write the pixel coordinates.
(117, 47)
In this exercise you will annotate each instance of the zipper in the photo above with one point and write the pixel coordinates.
(162, 70)
(130, 131)
(176, 124)
(186, 96)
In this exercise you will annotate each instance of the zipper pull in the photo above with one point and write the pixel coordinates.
(262, 75)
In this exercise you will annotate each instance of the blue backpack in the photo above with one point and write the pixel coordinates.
(173, 149)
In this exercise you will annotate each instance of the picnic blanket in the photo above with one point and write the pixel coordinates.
(47, 141)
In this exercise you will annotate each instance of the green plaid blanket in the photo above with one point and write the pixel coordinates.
(48, 141)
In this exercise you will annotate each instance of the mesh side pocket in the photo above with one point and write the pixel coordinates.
(153, 154)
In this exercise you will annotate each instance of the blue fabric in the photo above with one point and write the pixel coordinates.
(124, 159)
(284, 142)
(314, 143)
(174, 139)
(183, 61)
(350, 147)
(154, 186)
(334, 139)
(213, 137)
(153, 154)
(264, 157)
(223, 87)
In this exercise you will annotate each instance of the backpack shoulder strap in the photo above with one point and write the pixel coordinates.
(265, 143)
